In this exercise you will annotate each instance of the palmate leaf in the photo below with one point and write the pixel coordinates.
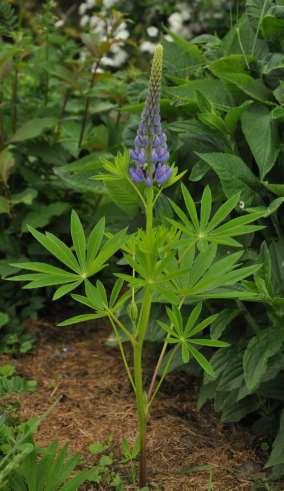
(183, 336)
(96, 299)
(89, 257)
(210, 278)
(207, 229)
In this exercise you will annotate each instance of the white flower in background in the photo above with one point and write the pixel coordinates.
(241, 205)
(147, 47)
(152, 31)
(59, 23)
(109, 3)
(185, 11)
(121, 33)
(168, 38)
(96, 69)
(85, 20)
(98, 25)
(102, 25)
(175, 21)
(118, 58)
(107, 61)
(83, 8)
(91, 3)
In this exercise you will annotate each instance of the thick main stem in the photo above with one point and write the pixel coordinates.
(141, 401)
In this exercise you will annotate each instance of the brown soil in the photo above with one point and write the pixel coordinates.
(75, 367)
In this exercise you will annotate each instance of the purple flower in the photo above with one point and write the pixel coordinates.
(150, 154)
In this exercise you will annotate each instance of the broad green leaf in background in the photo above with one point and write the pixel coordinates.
(252, 87)
(267, 210)
(4, 205)
(181, 57)
(273, 27)
(277, 454)
(77, 175)
(33, 129)
(43, 214)
(214, 90)
(262, 137)
(7, 163)
(259, 349)
(25, 197)
(119, 185)
(234, 175)
(256, 10)
(4, 319)
(277, 189)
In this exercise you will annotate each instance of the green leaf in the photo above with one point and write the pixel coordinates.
(224, 211)
(254, 88)
(273, 28)
(277, 189)
(209, 342)
(233, 116)
(115, 292)
(78, 238)
(226, 165)
(109, 249)
(4, 319)
(77, 175)
(57, 248)
(80, 318)
(223, 320)
(42, 215)
(259, 350)
(201, 360)
(190, 206)
(181, 57)
(120, 188)
(277, 454)
(214, 90)
(194, 316)
(26, 197)
(7, 163)
(262, 137)
(206, 206)
(33, 129)
(4, 205)
(63, 290)
(268, 210)
(95, 240)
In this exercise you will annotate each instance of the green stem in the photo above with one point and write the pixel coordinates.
(87, 103)
(46, 92)
(138, 377)
(149, 212)
(15, 98)
(118, 340)
(164, 374)
(157, 368)
(121, 326)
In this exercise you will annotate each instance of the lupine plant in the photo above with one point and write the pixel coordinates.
(178, 263)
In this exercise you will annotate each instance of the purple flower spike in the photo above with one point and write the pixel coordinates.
(150, 154)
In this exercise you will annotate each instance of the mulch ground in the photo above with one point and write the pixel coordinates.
(75, 367)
